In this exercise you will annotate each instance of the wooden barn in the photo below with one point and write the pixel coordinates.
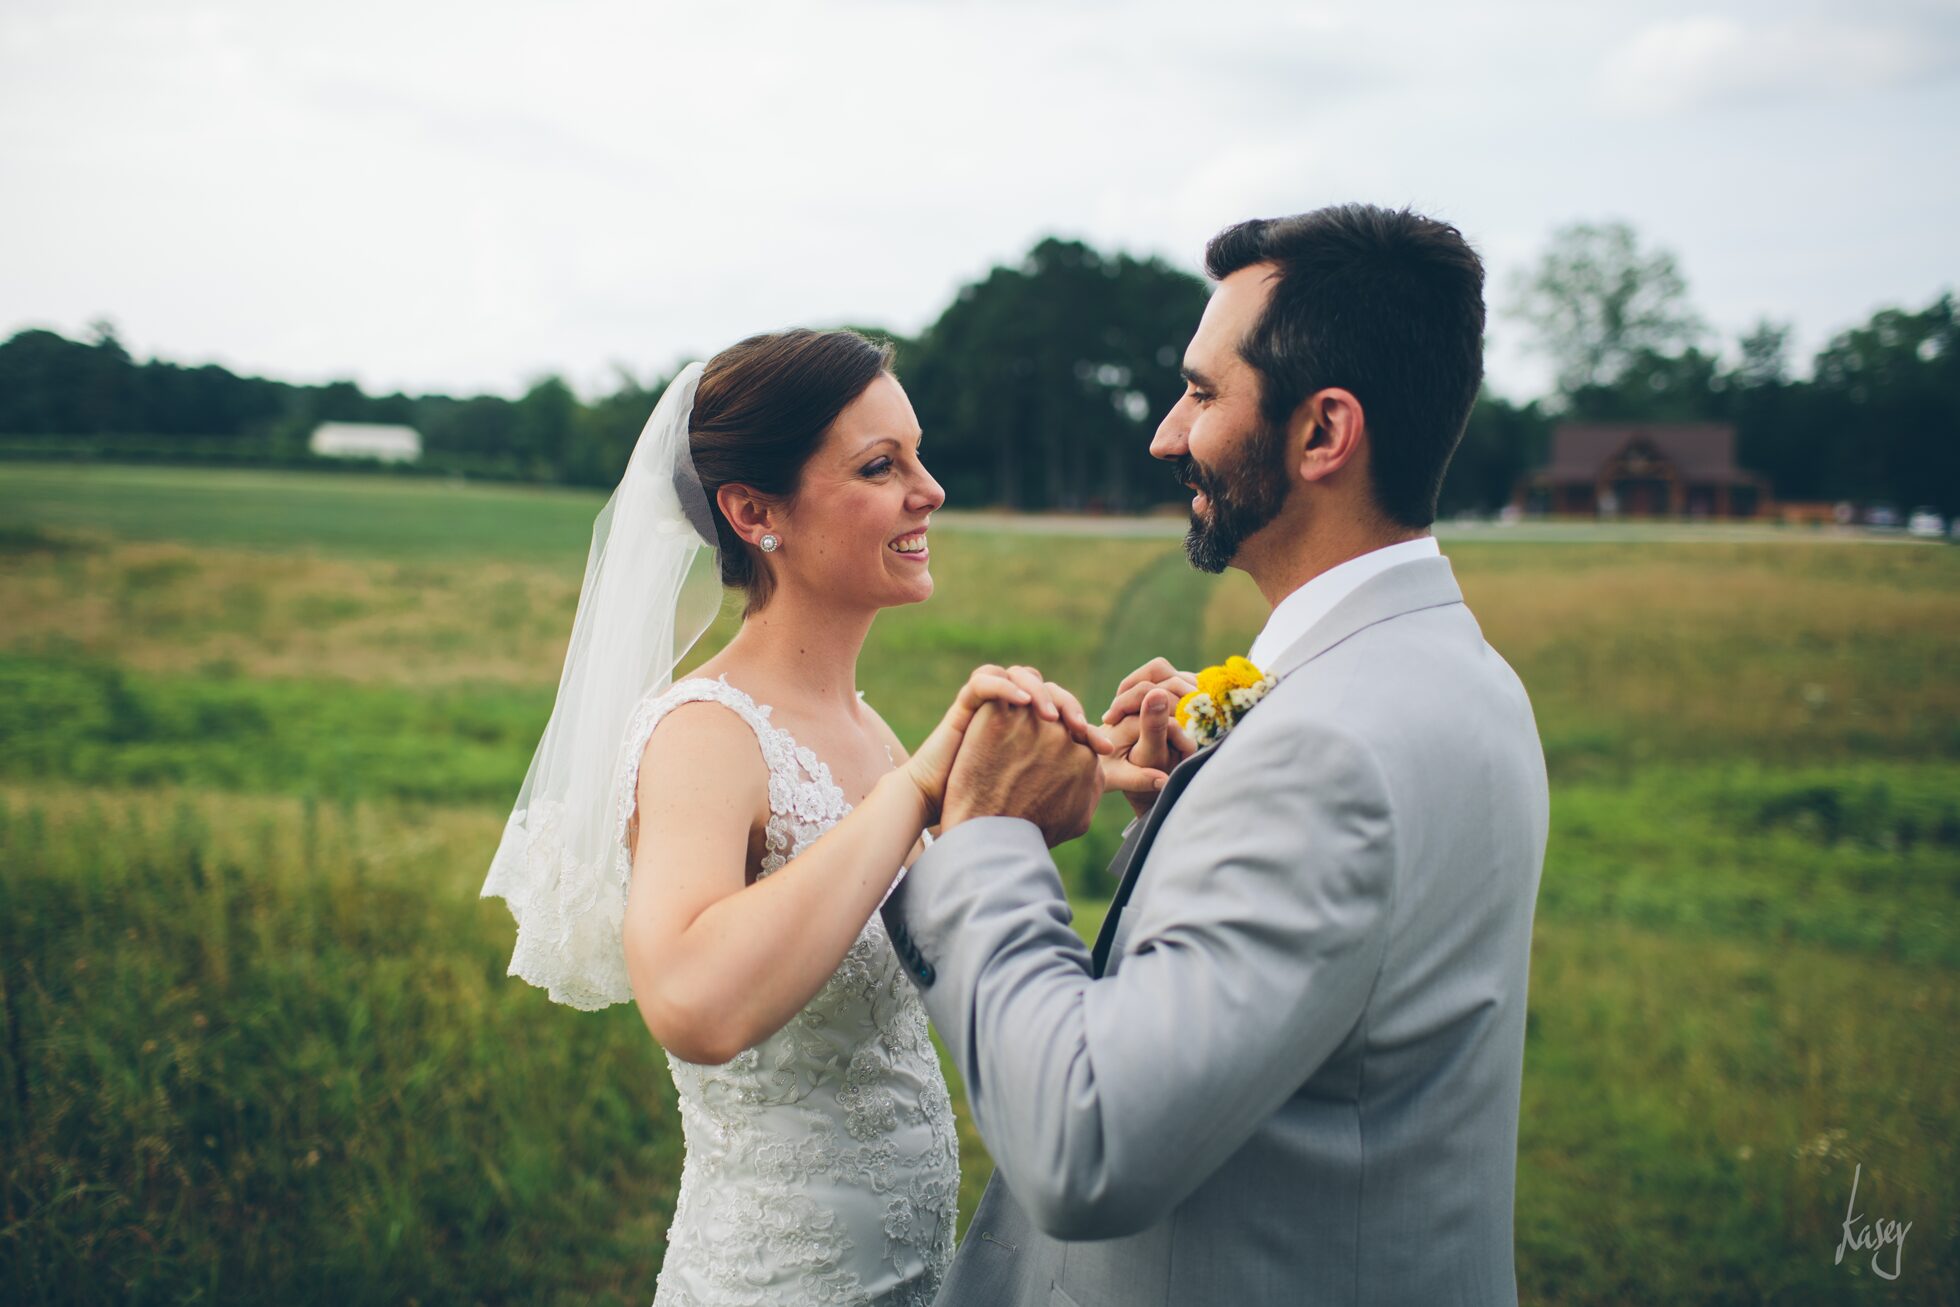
(1644, 469)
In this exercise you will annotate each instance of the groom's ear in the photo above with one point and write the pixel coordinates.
(749, 513)
(1327, 430)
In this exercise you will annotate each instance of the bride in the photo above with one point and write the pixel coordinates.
(716, 849)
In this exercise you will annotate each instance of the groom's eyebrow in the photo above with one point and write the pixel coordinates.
(1197, 378)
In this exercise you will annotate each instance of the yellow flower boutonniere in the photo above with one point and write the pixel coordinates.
(1224, 695)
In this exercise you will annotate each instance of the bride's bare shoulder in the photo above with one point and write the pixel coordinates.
(700, 749)
(701, 783)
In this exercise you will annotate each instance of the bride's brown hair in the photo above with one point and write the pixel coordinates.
(760, 411)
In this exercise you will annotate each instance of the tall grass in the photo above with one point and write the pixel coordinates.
(351, 515)
(1781, 652)
(255, 750)
(263, 1049)
(262, 1046)
(1694, 1107)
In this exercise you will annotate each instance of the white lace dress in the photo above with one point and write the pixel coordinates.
(822, 1164)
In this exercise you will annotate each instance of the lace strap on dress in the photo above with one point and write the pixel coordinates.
(777, 752)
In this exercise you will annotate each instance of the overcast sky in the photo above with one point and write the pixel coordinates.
(463, 197)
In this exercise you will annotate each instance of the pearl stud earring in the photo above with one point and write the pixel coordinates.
(770, 543)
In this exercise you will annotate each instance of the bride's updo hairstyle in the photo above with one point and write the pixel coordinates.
(761, 409)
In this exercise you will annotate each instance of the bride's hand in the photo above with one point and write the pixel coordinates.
(1017, 686)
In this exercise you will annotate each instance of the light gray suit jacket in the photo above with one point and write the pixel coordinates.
(1296, 1078)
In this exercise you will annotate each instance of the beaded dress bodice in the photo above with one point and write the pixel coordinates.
(822, 1164)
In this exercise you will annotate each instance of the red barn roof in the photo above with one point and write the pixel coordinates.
(1703, 451)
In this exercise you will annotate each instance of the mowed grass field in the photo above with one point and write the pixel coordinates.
(259, 733)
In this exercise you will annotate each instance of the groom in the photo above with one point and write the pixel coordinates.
(1289, 1071)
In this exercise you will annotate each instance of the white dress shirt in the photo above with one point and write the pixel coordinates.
(1294, 615)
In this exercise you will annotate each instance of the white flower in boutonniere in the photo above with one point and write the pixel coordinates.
(1224, 695)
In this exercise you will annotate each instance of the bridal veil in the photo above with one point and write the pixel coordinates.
(652, 585)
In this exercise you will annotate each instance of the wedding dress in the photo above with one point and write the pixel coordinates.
(822, 1165)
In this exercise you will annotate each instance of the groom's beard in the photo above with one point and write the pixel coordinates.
(1245, 495)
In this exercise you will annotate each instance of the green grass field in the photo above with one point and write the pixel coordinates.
(258, 735)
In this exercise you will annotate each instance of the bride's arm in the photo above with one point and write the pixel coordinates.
(716, 965)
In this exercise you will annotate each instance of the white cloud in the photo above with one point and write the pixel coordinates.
(1683, 64)
(442, 196)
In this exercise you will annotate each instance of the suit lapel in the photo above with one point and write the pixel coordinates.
(1405, 588)
(1129, 858)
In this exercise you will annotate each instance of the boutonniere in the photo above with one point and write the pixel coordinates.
(1224, 695)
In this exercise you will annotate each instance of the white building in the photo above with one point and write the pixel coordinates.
(366, 440)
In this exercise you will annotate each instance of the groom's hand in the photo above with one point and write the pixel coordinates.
(1148, 745)
(1142, 725)
(1157, 674)
(1013, 764)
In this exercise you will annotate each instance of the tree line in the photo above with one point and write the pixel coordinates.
(1040, 384)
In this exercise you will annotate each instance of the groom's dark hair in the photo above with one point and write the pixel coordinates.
(1385, 303)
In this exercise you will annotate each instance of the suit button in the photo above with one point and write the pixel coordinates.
(926, 973)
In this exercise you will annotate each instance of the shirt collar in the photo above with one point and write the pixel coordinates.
(1296, 614)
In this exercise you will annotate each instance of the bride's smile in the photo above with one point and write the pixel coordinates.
(855, 531)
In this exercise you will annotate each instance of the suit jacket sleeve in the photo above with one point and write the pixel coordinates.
(1105, 1102)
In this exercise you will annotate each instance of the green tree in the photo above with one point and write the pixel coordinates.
(1040, 385)
(603, 433)
(1891, 391)
(1500, 444)
(541, 428)
(1655, 387)
(50, 385)
(340, 401)
(1598, 304)
(1765, 356)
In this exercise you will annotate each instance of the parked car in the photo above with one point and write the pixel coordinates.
(1882, 517)
(1926, 522)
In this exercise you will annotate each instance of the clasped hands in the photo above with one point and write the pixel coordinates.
(1014, 744)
